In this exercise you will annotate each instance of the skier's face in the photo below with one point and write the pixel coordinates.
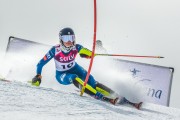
(68, 40)
(68, 44)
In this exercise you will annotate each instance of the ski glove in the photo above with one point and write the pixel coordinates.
(98, 95)
(85, 53)
(36, 81)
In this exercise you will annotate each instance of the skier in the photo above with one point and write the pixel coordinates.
(68, 71)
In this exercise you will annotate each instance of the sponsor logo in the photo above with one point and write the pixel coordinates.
(151, 92)
(134, 71)
(45, 58)
(154, 93)
(68, 58)
(62, 77)
(48, 56)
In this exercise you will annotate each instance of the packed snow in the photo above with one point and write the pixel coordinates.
(21, 101)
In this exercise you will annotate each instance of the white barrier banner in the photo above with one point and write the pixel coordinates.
(157, 80)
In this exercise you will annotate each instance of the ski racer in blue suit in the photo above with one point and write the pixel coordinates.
(67, 70)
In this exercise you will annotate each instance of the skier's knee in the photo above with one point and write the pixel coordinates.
(65, 79)
(92, 81)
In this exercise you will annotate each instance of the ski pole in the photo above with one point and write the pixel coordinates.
(125, 55)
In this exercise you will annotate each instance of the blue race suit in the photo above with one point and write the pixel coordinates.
(66, 67)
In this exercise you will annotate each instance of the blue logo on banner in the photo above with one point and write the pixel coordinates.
(134, 71)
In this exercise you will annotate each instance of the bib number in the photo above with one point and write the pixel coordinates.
(67, 66)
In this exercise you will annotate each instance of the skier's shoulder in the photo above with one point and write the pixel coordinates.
(79, 47)
(56, 46)
(54, 49)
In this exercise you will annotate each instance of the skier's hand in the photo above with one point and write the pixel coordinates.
(98, 95)
(85, 53)
(36, 81)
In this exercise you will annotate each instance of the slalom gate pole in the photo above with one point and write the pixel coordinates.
(93, 49)
(124, 55)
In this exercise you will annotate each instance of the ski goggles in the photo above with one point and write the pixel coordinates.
(66, 38)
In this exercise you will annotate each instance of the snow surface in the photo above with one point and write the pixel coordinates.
(20, 101)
